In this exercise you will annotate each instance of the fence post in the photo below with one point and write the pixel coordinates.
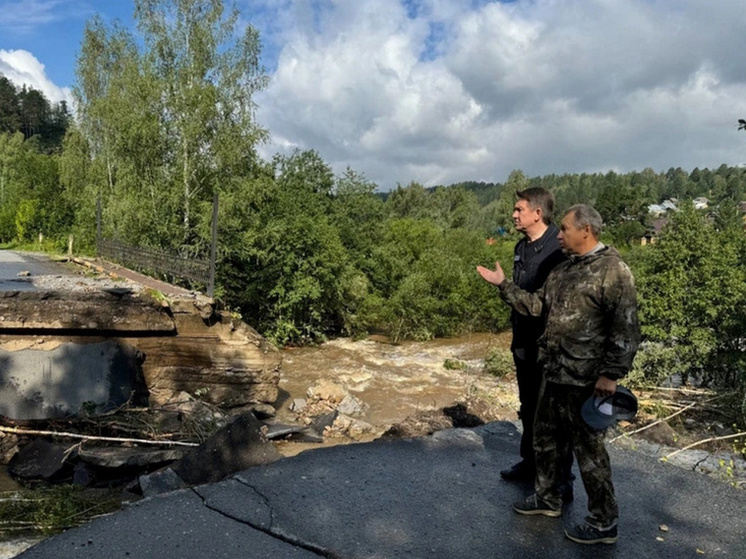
(213, 246)
(98, 226)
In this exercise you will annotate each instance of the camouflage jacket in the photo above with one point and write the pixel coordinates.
(590, 308)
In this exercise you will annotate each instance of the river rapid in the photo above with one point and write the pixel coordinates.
(395, 381)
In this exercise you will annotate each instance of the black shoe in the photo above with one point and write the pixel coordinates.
(519, 472)
(532, 505)
(585, 533)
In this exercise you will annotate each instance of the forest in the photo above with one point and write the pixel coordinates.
(166, 119)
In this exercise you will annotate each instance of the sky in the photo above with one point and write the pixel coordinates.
(445, 91)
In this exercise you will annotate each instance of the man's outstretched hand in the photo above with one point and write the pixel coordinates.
(495, 277)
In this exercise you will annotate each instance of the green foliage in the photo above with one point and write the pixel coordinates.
(27, 111)
(499, 362)
(426, 285)
(28, 220)
(168, 119)
(30, 201)
(454, 365)
(692, 289)
(282, 258)
(654, 363)
(627, 232)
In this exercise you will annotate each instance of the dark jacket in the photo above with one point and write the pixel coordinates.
(532, 262)
(592, 327)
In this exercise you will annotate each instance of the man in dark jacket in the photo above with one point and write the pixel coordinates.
(589, 342)
(535, 255)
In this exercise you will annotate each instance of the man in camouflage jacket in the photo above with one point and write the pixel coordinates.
(589, 342)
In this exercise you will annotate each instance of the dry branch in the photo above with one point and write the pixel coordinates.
(682, 410)
(703, 441)
(34, 432)
(654, 423)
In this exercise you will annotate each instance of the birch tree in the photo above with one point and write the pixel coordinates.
(208, 75)
(171, 116)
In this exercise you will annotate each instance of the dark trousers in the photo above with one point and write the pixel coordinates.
(558, 422)
(528, 374)
(529, 377)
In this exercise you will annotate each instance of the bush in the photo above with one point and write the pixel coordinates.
(654, 363)
(499, 362)
(454, 365)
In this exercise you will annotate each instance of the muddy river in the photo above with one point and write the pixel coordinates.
(395, 381)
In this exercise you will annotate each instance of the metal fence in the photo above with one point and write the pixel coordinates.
(151, 262)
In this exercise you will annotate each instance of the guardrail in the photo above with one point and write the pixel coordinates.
(149, 261)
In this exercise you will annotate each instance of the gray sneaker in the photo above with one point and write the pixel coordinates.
(532, 505)
(585, 533)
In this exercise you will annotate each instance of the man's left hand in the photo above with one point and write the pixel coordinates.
(605, 386)
(495, 277)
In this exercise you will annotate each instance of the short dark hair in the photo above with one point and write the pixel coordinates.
(538, 197)
(583, 215)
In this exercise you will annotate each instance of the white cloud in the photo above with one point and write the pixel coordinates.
(22, 15)
(21, 67)
(441, 91)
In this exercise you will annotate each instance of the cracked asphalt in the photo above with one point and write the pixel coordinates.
(435, 497)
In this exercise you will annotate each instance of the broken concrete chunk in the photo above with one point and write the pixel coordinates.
(162, 481)
(235, 447)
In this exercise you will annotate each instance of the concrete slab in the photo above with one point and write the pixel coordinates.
(39, 384)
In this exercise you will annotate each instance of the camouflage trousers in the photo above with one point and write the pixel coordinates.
(558, 423)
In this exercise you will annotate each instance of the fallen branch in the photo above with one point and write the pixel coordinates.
(682, 410)
(711, 439)
(680, 389)
(17, 431)
(654, 422)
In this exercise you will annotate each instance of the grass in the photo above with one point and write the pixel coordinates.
(52, 510)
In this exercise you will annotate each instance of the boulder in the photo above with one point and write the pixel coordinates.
(662, 433)
(350, 405)
(350, 427)
(239, 445)
(429, 422)
(298, 404)
(40, 460)
(327, 390)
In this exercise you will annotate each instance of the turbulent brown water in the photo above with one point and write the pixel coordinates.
(396, 381)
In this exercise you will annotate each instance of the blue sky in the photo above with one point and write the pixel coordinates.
(442, 91)
(52, 30)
